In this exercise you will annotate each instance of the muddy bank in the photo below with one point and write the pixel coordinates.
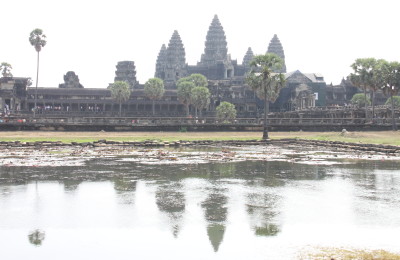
(151, 143)
(39, 154)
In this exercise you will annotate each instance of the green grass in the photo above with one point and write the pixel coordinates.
(383, 137)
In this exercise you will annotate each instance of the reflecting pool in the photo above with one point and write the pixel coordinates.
(112, 208)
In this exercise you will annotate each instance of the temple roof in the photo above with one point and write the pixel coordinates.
(312, 77)
(216, 44)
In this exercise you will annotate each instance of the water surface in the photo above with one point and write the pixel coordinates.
(117, 209)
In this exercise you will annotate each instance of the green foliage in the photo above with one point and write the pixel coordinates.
(200, 97)
(36, 237)
(262, 78)
(360, 100)
(185, 87)
(197, 79)
(154, 88)
(120, 91)
(184, 92)
(183, 129)
(396, 101)
(363, 76)
(226, 111)
(37, 39)
(5, 69)
(390, 77)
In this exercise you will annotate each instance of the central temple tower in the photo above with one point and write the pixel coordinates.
(215, 62)
(216, 49)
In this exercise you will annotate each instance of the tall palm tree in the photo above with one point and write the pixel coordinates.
(391, 84)
(120, 91)
(363, 77)
(37, 40)
(266, 82)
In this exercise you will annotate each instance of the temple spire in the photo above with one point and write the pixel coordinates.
(215, 45)
(248, 58)
(161, 60)
(275, 47)
(171, 61)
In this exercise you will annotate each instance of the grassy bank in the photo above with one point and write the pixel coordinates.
(384, 137)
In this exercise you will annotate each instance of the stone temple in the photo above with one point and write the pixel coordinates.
(226, 78)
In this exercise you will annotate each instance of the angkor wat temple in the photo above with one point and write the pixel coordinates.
(226, 79)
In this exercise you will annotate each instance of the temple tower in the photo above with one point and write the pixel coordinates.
(216, 45)
(247, 59)
(126, 71)
(275, 47)
(215, 62)
(161, 63)
(175, 64)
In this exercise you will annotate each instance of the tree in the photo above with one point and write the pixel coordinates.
(395, 100)
(200, 98)
(37, 40)
(198, 80)
(185, 86)
(364, 77)
(265, 82)
(36, 237)
(184, 92)
(360, 100)
(5, 69)
(391, 85)
(226, 111)
(120, 91)
(154, 89)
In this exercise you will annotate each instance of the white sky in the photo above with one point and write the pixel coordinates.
(90, 37)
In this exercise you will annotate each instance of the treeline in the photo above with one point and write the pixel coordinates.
(372, 75)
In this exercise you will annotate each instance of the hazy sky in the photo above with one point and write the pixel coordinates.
(90, 37)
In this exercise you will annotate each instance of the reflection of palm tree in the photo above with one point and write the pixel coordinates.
(36, 237)
(71, 185)
(172, 201)
(125, 189)
(125, 185)
(216, 213)
(262, 210)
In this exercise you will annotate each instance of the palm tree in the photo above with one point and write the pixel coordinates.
(120, 91)
(154, 89)
(5, 69)
(37, 40)
(184, 92)
(363, 77)
(391, 84)
(185, 86)
(200, 97)
(265, 82)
